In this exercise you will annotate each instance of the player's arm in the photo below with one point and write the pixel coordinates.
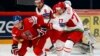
(70, 11)
(45, 26)
(14, 49)
(72, 17)
(15, 41)
(42, 27)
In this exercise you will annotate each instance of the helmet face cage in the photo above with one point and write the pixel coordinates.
(59, 7)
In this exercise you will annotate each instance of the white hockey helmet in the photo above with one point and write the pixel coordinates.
(68, 2)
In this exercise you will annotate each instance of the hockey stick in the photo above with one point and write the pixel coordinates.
(91, 53)
(50, 16)
(90, 49)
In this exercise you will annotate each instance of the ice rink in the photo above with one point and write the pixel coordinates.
(5, 50)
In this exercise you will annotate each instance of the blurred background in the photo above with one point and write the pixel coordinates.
(28, 5)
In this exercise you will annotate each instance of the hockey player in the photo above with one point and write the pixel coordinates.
(46, 11)
(25, 32)
(43, 9)
(67, 21)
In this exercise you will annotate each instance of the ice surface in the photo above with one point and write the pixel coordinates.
(5, 50)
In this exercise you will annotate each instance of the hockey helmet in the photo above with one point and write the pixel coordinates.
(17, 19)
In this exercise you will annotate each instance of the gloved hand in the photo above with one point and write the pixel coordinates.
(14, 49)
(42, 31)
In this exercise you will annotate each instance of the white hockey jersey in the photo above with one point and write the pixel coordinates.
(67, 21)
(45, 11)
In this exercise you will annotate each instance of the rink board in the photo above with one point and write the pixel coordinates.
(6, 41)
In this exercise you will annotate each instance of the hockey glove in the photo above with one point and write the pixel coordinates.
(14, 49)
(42, 31)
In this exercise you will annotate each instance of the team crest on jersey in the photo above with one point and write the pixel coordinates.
(27, 35)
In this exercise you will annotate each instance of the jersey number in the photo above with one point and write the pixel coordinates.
(61, 23)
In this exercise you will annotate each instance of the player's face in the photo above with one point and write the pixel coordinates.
(59, 11)
(19, 25)
(39, 4)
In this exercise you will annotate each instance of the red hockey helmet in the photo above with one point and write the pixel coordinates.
(60, 5)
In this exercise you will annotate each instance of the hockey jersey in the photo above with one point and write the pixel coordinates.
(45, 11)
(29, 30)
(67, 21)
